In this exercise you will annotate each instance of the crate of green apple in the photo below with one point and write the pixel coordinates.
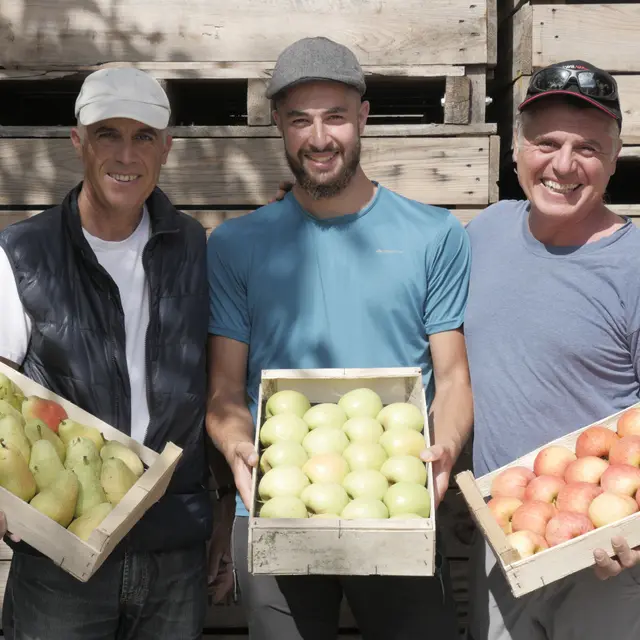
(71, 486)
(546, 513)
(340, 488)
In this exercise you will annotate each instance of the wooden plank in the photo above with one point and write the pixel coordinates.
(630, 153)
(232, 131)
(604, 34)
(393, 32)
(521, 45)
(258, 105)
(211, 70)
(478, 79)
(6, 552)
(246, 171)
(457, 100)
(492, 32)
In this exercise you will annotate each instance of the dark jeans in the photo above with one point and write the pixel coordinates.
(308, 607)
(144, 596)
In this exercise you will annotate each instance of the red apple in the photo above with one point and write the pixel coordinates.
(610, 507)
(49, 411)
(533, 516)
(553, 461)
(626, 451)
(511, 482)
(565, 526)
(503, 508)
(527, 543)
(595, 441)
(629, 423)
(544, 489)
(621, 478)
(587, 469)
(577, 497)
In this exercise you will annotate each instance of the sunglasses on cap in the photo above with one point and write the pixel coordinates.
(592, 83)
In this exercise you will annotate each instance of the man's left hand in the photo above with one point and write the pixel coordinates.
(625, 558)
(442, 461)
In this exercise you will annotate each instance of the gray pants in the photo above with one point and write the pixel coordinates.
(579, 607)
(308, 607)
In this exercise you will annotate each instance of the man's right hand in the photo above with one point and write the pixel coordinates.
(3, 528)
(242, 458)
(283, 188)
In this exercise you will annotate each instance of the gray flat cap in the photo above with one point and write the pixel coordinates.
(315, 59)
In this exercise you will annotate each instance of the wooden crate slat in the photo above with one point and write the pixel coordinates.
(247, 171)
(393, 32)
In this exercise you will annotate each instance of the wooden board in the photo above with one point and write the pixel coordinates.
(604, 34)
(51, 33)
(529, 574)
(338, 546)
(246, 171)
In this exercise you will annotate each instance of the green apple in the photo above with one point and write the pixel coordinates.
(326, 467)
(365, 508)
(405, 469)
(284, 426)
(284, 507)
(325, 440)
(326, 414)
(366, 483)
(403, 442)
(282, 481)
(401, 415)
(361, 402)
(324, 498)
(287, 401)
(284, 453)
(364, 455)
(407, 497)
(363, 429)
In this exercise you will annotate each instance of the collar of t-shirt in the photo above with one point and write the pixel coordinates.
(139, 235)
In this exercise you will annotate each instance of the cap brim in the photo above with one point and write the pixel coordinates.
(580, 96)
(150, 114)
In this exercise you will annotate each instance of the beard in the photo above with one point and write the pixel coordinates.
(323, 188)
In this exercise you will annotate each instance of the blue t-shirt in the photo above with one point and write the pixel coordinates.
(360, 290)
(552, 333)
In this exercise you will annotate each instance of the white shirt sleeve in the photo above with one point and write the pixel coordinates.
(15, 324)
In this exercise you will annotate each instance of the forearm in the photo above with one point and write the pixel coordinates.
(452, 413)
(229, 422)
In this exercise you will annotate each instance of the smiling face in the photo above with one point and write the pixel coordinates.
(565, 157)
(321, 123)
(122, 160)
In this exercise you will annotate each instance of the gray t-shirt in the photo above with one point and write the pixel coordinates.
(552, 333)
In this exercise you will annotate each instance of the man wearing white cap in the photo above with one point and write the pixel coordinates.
(105, 303)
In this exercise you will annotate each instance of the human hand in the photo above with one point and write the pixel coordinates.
(3, 528)
(625, 558)
(442, 459)
(242, 458)
(283, 188)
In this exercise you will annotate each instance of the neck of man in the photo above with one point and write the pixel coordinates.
(592, 225)
(354, 197)
(105, 222)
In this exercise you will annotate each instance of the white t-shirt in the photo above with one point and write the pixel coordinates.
(123, 262)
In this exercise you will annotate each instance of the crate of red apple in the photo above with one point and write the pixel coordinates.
(340, 488)
(549, 510)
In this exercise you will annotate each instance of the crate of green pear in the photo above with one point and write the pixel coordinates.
(340, 487)
(71, 486)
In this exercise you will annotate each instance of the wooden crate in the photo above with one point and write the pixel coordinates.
(532, 573)
(78, 558)
(335, 547)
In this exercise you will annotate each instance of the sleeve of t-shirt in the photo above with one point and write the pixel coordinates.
(448, 265)
(15, 324)
(228, 309)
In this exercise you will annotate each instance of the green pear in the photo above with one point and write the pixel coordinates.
(79, 448)
(69, 429)
(7, 409)
(9, 391)
(15, 475)
(116, 479)
(58, 500)
(17, 400)
(45, 464)
(12, 434)
(37, 430)
(90, 491)
(84, 525)
(114, 449)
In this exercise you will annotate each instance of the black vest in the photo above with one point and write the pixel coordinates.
(77, 346)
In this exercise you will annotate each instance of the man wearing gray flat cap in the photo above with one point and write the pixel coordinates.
(105, 303)
(341, 272)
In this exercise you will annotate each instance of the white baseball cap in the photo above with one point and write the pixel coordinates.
(122, 92)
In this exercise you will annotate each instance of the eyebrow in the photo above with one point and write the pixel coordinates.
(148, 130)
(332, 110)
